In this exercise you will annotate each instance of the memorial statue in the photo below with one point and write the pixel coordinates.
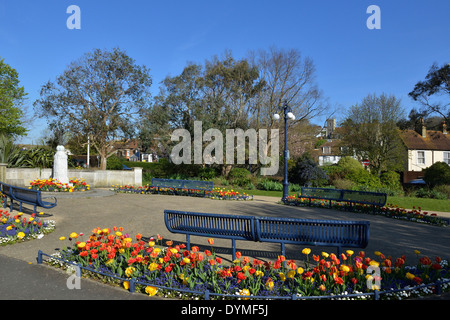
(60, 165)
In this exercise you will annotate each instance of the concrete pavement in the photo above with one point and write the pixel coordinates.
(143, 214)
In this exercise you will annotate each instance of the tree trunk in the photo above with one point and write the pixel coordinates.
(103, 160)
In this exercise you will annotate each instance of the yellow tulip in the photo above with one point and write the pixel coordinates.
(306, 251)
(151, 291)
(129, 271)
(153, 266)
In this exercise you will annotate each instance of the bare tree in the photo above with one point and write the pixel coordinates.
(288, 77)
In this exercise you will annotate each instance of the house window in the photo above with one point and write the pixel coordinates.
(326, 150)
(420, 157)
(447, 157)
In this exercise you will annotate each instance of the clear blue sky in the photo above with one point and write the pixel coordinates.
(351, 60)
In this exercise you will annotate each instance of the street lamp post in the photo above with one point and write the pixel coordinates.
(287, 115)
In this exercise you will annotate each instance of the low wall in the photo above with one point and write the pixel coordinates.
(21, 177)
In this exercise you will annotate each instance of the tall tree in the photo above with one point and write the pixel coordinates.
(96, 97)
(217, 93)
(12, 96)
(288, 77)
(437, 83)
(370, 132)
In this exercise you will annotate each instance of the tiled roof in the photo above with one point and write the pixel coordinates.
(434, 140)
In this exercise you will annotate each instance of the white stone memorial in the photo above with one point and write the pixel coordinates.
(60, 167)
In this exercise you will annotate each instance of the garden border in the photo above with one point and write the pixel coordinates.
(207, 294)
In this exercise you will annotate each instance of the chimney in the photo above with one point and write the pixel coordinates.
(422, 129)
(444, 128)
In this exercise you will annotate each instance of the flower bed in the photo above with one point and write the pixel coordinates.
(217, 193)
(389, 210)
(53, 185)
(18, 228)
(154, 267)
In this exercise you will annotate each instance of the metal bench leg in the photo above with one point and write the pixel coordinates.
(233, 246)
(20, 207)
(283, 250)
(11, 205)
(188, 242)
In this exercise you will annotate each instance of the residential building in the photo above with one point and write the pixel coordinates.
(424, 148)
(330, 152)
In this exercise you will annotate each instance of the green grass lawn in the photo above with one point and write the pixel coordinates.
(425, 204)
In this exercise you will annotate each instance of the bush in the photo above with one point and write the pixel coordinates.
(343, 184)
(364, 179)
(444, 189)
(270, 185)
(240, 177)
(430, 193)
(207, 173)
(391, 180)
(437, 174)
(349, 164)
(113, 163)
(307, 172)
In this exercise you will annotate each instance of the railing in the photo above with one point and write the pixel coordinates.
(376, 294)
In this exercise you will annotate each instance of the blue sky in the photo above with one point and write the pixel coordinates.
(351, 60)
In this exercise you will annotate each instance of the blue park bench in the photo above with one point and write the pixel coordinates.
(24, 195)
(178, 185)
(311, 232)
(375, 199)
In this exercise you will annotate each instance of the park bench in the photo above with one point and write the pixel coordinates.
(313, 232)
(375, 199)
(177, 186)
(232, 227)
(309, 232)
(24, 195)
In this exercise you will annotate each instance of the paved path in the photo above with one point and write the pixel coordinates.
(143, 214)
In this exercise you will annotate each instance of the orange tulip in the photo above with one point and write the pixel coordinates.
(211, 241)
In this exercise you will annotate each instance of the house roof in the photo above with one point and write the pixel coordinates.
(128, 144)
(434, 140)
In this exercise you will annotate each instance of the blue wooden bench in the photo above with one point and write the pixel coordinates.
(232, 227)
(178, 186)
(24, 195)
(311, 232)
(375, 199)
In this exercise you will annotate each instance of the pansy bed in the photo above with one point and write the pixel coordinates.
(17, 228)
